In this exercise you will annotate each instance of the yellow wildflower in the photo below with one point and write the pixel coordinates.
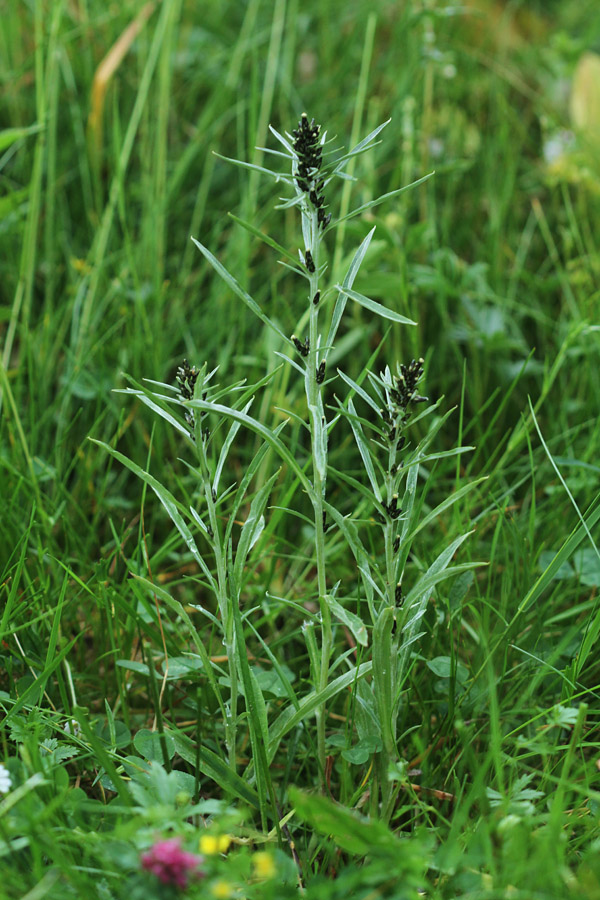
(214, 843)
(221, 890)
(263, 865)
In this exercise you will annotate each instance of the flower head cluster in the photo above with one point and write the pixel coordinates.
(309, 151)
(170, 863)
(187, 377)
(400, 392)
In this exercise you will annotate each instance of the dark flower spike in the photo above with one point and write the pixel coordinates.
(302, 348)
(309, 151)
(187, 377)
(398, 392)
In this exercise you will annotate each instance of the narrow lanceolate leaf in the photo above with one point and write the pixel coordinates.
(350, 620)
(443, 506)
(238, 289)
(269, 436)
(350, 532)
(283, 141)
(253, 526)
(199, 522)
(247, 477)
(215, 768)
(360, 391)
(378, 200)
(264, 237)
(235, 427)
(363, 448)
(246, 165)
(361, 147)
(340, 303)
(320, 443)
(375, 307)
(427, 581)
(418, 598)
(168, 501)
(384, 672)
(256, 716)
(195, 636)
(155, 407)
(291, 717)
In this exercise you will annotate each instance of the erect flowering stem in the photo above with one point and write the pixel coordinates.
(308, 148)
(398, 393)
(192, 386)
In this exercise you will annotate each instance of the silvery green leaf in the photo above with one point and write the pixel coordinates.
(151, 404)
(233, 430)
(169, 503)
(350, 619)
(340, 303)
(198, 520)
(378, 200)
(384, 675)
(375, 307)
(247, 477)
(362, 146)
(269, 435)
(263, 237)
(418, 597)
(291, 361)
(253, 526)
(306, 230)
(320, 442)
(291, 716)
(238, 289)
(363, 448)
(360, 391)
(246, 165)
(273, 152)
(283, 141)
(296, 269)
(287, 203)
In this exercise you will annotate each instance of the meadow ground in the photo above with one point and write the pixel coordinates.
(286, 630)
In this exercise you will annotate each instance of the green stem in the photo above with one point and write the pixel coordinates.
(318, 431)
(224, 607)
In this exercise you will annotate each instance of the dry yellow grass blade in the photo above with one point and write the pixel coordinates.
(107, 69)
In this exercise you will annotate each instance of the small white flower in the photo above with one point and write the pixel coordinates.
(5, 780)
(72, 727)
(558, 144)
